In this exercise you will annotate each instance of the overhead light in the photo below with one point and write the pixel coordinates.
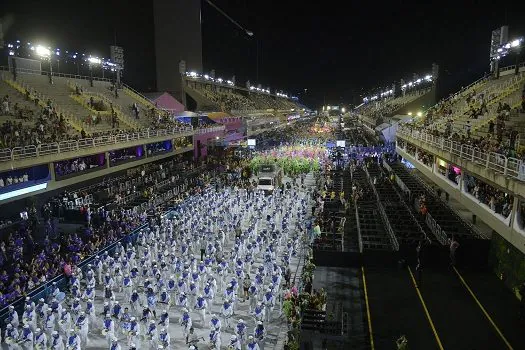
(515, 43)
(419, 114)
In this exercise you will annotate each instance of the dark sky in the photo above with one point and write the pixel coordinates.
(334, 49)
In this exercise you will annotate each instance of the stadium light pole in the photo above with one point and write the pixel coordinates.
(45, 54)
(93, 61)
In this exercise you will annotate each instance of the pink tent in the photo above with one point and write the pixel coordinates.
(164, 100)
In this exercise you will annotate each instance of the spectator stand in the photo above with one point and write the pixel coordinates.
(101, 106)
(40, 99)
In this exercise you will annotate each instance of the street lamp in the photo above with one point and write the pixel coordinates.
(45, 54)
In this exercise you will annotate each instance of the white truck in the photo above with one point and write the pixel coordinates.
(269, 178)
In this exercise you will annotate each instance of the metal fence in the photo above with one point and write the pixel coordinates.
(496, 162)
(32, 151)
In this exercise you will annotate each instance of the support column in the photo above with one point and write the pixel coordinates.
(514, 212)
(51, 166)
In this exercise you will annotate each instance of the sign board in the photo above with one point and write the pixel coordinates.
(252, 142)
(117, 55)
(341, 143)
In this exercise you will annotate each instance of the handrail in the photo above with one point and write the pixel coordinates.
(497, 162)
(438, 232)
(384, 217)
(32, 151)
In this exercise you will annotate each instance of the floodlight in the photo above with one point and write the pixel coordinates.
(409, 113)
(515, 43)
(419, 114)
(94, 60)
(42, 51)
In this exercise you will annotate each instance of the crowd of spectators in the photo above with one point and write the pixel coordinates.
(13, 180)
(48, 127)
(24, 112)
(425, 157)
(498, 201)
(76, 165)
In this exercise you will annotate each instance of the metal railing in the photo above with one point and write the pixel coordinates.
(386, 221)
(496, 162)
(434, 227)
(32, 151)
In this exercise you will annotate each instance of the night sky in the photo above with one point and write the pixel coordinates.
(337, 50)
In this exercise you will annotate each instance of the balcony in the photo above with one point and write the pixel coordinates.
(31, 155)
(506, 172)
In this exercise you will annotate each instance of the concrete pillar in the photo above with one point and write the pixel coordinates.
(514, 212)
(52, 171)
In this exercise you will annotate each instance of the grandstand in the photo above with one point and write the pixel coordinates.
(217, 96)
(373, 113)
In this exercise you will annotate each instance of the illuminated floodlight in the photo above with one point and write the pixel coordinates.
(500, 50)
(11, 53)
(343, 110)
(94, 60)
(329, 107)
(419, 114)
(42, 51)
(206, 76)
(193, 74)
(515, 43)
(74, 56)
(252, 87)
(220, 80)
(57, 53)
(409, 113)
